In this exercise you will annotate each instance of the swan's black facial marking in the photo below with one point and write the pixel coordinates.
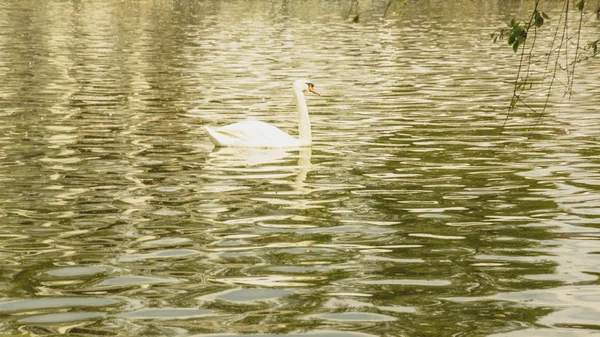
(311, 88)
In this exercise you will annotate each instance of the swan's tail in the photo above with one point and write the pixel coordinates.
(212, 135)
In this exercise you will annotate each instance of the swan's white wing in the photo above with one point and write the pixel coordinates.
(251, 134)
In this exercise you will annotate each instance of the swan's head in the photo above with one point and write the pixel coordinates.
(305, 85)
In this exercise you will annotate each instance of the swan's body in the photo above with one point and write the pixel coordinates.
(260, 134)
(252, 134)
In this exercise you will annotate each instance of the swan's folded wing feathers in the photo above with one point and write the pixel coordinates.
(251, 134)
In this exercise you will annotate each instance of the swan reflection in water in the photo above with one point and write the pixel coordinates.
(230, 168)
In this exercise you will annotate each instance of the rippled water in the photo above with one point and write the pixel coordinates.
(409, 216)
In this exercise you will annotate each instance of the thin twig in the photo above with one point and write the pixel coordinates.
(389, 4)
(570, 84)
(515, 96)
(552, 44)
(537, 122)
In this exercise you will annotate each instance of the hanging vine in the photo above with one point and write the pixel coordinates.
(563, 55)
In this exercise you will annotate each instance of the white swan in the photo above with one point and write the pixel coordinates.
(259, 134)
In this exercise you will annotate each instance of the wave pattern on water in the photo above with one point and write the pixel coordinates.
(408, 216)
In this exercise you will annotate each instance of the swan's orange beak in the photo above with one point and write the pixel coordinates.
(312, 89)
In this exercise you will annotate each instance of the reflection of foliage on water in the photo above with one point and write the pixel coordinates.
(489, 316)
(375, 8)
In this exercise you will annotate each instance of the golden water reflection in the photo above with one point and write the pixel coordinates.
(408, 216)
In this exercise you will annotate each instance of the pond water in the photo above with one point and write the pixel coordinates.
(409, 215)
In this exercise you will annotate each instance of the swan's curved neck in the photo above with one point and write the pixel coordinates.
(304, 131)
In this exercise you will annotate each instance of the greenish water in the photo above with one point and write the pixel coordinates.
(409, 216)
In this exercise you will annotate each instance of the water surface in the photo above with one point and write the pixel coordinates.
(409, 216)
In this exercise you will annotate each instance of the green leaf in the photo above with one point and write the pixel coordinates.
(545, 16)
(594, 47)
(538, 20)
(515, 47)
(519, 31)
(580, 5)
